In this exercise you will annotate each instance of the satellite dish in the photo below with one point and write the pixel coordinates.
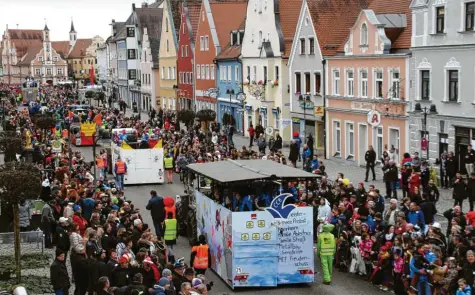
(269, 130)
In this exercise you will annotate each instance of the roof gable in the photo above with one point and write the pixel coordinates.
(289, 11)
(79, 49)
(228, 16)
(332, 20)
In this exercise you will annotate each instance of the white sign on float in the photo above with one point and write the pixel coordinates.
(374, 118)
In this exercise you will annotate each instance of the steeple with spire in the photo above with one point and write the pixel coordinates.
(47, 44)
(72, 35)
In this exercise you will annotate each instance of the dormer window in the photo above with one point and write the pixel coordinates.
(364, 35)
(241, 37)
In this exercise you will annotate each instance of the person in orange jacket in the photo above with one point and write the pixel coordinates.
(169, 203)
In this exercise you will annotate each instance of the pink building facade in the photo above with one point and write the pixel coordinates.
(367, 90)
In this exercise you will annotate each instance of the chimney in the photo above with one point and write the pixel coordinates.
(133, 6)
(144, 4)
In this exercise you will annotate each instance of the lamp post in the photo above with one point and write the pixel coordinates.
(303, 103)
(241, 97)
(432, 110)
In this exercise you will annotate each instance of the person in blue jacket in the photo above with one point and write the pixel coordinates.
(420, 260)
(416, 216)
(464, 288)
(298, 141)
(314, 163)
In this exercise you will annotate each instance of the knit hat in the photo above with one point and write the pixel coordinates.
(195, 282)
(166, 272)
(189, 271)
(76, 208)
(137, 222)
(147, 260)
(63, 220)
(163, 282)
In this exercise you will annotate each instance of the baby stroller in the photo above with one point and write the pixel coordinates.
(357, 265)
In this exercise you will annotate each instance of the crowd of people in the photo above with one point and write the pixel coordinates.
(94, 227)
(101, 243)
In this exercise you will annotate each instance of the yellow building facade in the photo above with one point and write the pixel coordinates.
(168, 60)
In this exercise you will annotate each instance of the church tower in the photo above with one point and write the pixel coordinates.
(72, 36)
(48, 56)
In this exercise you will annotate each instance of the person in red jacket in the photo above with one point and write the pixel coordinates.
(169, 206)
(81, 221)
(251, 134)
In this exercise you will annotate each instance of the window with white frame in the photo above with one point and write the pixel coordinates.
(276, 73)
(202, 43)
(182, 51)
(38, 72)
(350, 83)
(181, 78)
(336, 82)
(207, 72)
(350, 141)
(203, 72)
(394, 141)
(378, 141)
(276, 121)
(169, 73)
(174, 73)
(229, 74)
(221, 74)
(206, 43)
(224, 70)
(395, 90)
(211, 72)
(248, 73)
(60, 71)
(453, 82)
(469, 16)
(254, 73)
(186, 50)
(364, 83)
(439, 20)
(302, 46)
(298, 83)
(364, 35)
(336, 139)
(378, 83)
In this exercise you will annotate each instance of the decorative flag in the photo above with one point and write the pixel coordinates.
(91, 76)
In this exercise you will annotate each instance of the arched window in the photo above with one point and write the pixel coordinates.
(260, 39)
(364, 35)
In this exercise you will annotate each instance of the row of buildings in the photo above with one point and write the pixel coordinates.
(352, 73)
(32, 54)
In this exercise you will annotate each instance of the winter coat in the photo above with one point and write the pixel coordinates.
(471, 189)
(365, 248)
(59, 275)
(24, 215)
(416, 218)
(294, 152)
(157, 209)
(278, 143)
(460, 190)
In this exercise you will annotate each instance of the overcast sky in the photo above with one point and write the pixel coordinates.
(91, 17)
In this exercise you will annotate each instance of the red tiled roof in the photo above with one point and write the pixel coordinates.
(402, 40)
(194, 9)
(26, 34)
(289, 17)
(227, 16)
(31, 54)
(22, 45)
(234, 51)
(79, 49)
(332, 20)
(61, 47)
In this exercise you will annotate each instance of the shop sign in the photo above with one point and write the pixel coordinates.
(285, 122)
(296, 120)
(374, 118)
(357, 105)
(319, 111)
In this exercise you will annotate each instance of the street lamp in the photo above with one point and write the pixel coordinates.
(241, 97)
(303, 103)
(432, 110)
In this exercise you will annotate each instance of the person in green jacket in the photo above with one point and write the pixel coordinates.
(326, 248)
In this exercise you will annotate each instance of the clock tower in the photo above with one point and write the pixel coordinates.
(47, 45)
